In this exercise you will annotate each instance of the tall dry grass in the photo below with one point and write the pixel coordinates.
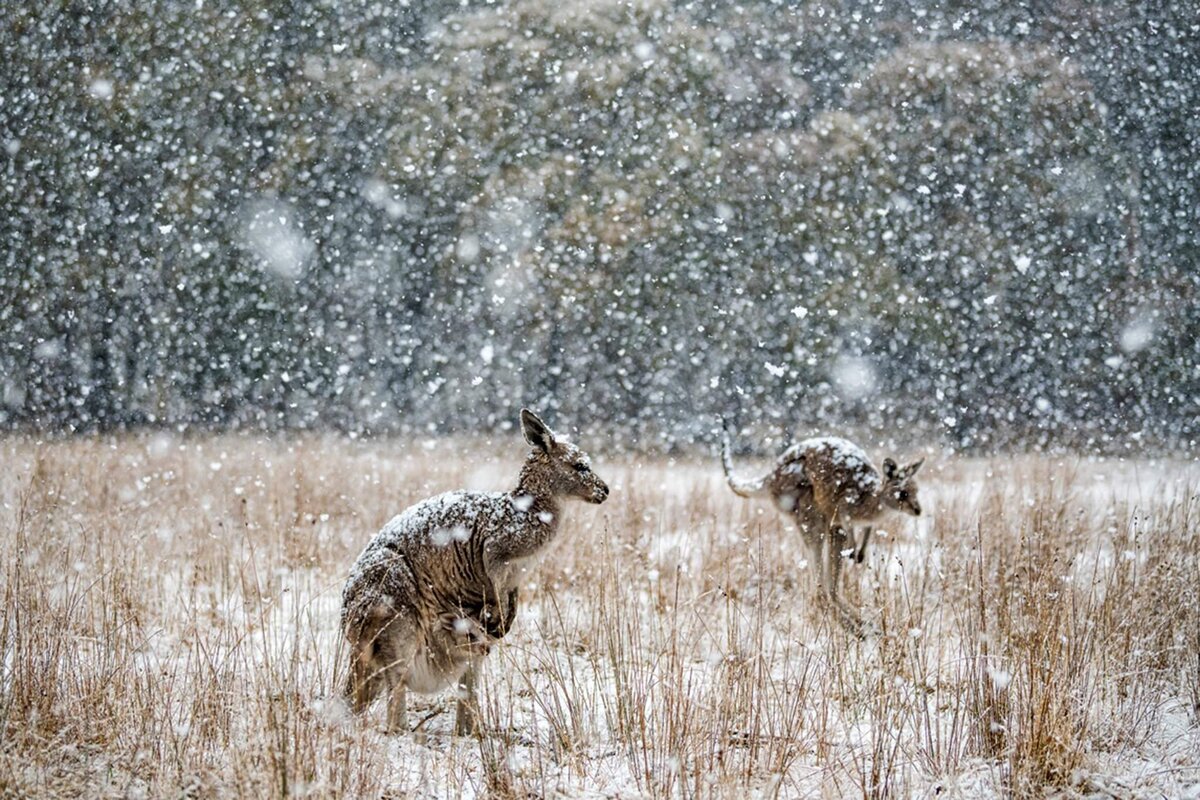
(170, 629)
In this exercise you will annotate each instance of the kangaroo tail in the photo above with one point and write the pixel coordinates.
(365, 678)
(743, 488)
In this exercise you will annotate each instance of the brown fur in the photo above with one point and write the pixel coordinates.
(826, 485)
(437, 587)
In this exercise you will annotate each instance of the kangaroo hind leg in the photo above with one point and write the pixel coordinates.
(860, 548)
(836, 543)
(382, 653)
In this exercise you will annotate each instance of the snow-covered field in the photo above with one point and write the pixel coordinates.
(171, 609)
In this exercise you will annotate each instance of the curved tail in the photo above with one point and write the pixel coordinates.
(740, 487)
(364, 630)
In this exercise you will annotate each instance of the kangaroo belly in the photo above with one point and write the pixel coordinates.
(511, 574)
(441, 663)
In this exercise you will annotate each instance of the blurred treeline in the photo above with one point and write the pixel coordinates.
(971, 222)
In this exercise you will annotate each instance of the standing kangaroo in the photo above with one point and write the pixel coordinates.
(438, 585)
(827, 484)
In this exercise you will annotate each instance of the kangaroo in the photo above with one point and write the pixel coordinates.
(437, 586)
(827, 484)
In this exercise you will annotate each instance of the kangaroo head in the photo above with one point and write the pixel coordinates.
(559, 467)
(899, 488)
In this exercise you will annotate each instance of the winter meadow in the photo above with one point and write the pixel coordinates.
(864, 345)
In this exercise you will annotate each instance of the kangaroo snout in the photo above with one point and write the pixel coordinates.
(599, 494)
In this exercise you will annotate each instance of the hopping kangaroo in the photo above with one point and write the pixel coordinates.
(827, 484)
(437, 586)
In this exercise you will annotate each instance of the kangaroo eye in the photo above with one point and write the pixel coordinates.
(903, 495)
(581, 467)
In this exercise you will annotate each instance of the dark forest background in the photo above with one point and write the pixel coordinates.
(976, 223)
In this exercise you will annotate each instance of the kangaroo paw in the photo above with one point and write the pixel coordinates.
(466, 722)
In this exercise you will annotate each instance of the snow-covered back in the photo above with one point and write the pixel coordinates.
(841, 452)
(445, 520)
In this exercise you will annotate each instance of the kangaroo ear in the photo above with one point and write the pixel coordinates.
(912, 468)
(889, 469)
(537, 433)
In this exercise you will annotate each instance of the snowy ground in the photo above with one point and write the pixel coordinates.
(171, 617)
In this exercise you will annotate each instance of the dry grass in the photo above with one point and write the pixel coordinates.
(170, 629)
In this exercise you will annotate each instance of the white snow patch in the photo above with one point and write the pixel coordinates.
(101, 89)
(1137, 334)
(467, 248)
(999, 677)
(271, 233)
(853, 376)
(380, 194)
(50, 348)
